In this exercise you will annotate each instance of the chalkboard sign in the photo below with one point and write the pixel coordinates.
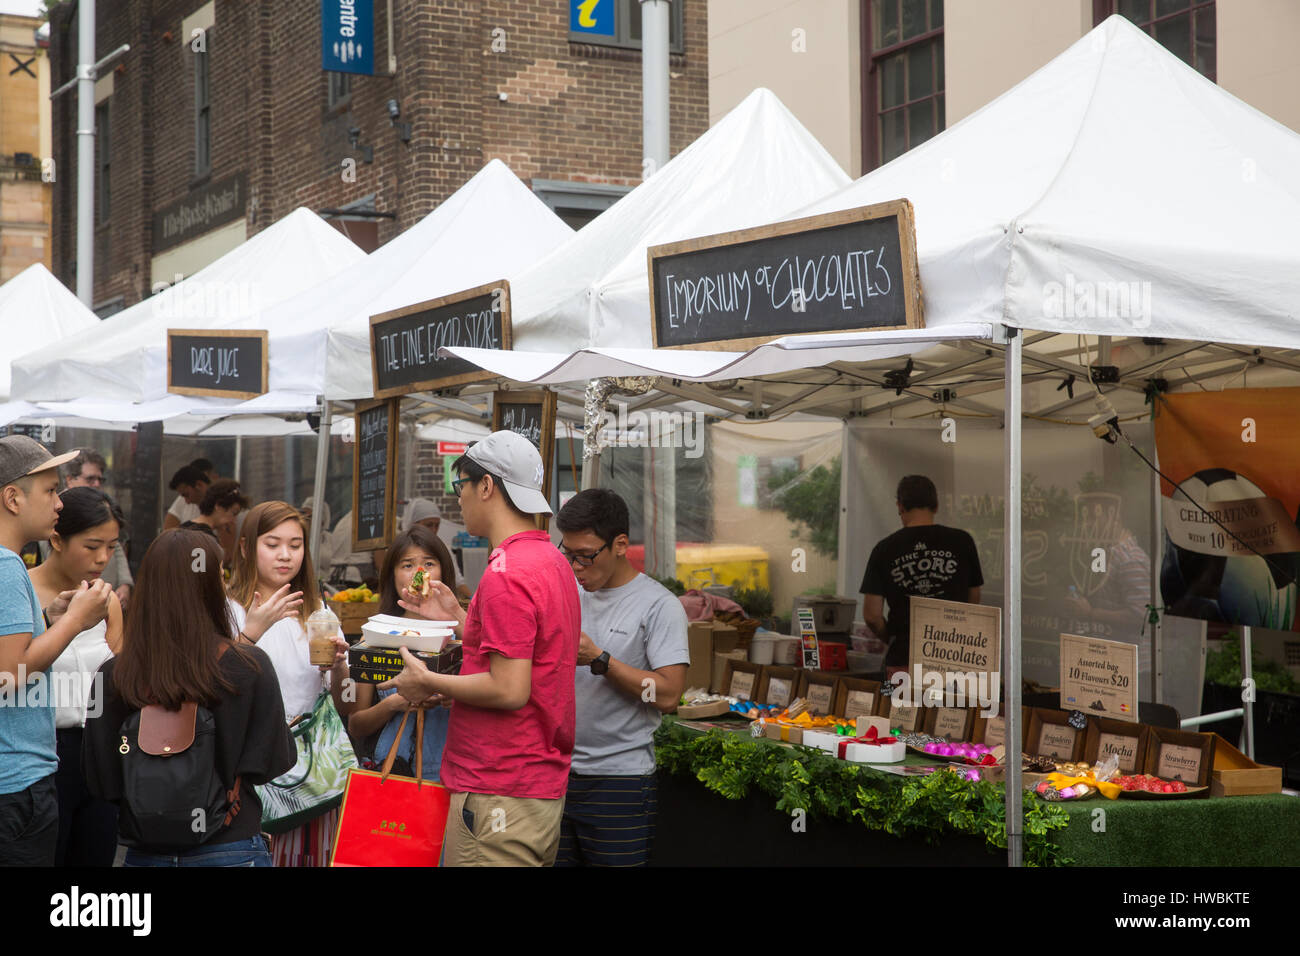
(404, 343)
(374, 472)
(229, 363)
(852, 270)
(531, 414)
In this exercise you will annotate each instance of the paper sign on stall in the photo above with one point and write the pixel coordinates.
(959, 641)
(808, 635)
(1099, 677)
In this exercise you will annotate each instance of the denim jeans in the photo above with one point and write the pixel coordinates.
(251, 852)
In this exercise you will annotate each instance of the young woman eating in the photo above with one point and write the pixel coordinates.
(179, 647)
(416, 552)
(83, 543)
(271, 564)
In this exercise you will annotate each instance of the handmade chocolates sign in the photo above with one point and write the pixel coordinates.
(955, 639)
(1099, 676)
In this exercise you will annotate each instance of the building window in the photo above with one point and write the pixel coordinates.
(578, 203)
(103, 161)
(904, 101)
(202, 113)
(340, 88)
(626, 25)
(1186, 28)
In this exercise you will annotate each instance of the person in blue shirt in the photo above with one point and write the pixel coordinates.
(29, 508)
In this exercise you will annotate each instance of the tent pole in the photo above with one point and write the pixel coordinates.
(1011, 598)
(318, 499)
(1157, 546)
(239, 455)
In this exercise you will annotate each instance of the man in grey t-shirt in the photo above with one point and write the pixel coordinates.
(631, 670)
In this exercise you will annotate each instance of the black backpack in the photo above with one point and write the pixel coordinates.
(172, 795)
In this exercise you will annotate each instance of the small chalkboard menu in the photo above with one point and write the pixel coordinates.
(227, 363)
(374, 471)
(531, 414)
(404, 343)
(850, 270)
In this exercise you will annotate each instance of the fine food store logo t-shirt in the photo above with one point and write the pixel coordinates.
(931, 561)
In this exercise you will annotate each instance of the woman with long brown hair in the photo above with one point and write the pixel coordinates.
(178, 647)
(272, 566)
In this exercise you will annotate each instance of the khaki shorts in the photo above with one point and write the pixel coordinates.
(489, 830)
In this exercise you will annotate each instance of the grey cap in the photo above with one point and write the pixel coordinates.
(21, 456)
(518, 463)
(419, 509)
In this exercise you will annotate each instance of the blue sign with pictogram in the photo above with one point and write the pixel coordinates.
(595, 17)
(347, 36)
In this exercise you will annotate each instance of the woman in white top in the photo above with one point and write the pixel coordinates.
(81, 546)
(273, 592)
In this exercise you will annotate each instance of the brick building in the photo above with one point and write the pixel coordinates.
(24, 142)
(219, 121)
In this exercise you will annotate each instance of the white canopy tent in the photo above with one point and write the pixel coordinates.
(36, 311)
(1071, 204)
(125, 362)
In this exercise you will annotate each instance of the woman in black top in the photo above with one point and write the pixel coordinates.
(219, 513)
(179, 646)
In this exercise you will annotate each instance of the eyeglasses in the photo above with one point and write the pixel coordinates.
(459, 483)
(584, 560)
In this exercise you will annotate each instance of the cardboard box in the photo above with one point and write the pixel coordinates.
(1233, 774)
(374, 665)
(783, 732)
(818, 689)
(862, 697)
(778, 686)
(725, 637)
(740, 678)
(1049, 734)
(1125, 739)
(720, 662)
(699, 643)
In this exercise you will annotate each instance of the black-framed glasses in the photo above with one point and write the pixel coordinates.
(458, 483)
(584, 560)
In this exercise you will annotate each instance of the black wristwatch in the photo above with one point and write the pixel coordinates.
(601, 664)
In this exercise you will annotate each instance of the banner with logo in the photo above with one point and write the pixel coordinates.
(1236, 454)
(347, 29)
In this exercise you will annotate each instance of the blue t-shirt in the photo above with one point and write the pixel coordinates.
(435, 738)
(27, 742)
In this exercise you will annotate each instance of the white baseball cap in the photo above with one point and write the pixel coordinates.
(518, 463)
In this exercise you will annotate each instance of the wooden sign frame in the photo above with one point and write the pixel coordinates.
(849, 685)
(1159, 737)
(390, 489)
(549, 401)
(742, 667)
(911, 273)
(1097, 726)
(808, 679)
(1040, 717)
(967, 727)
(434, 384)
(264, 372)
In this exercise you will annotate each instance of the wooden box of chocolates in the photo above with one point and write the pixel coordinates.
(855, 697)
(777, 686)
(950, 723)
(740, 679)
(819, 690)
(1050, 734)
(1126, 740)
(1179, 755)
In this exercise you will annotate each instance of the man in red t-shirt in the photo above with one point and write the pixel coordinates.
(512, 725)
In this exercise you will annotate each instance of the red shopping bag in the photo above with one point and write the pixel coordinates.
(388, 820)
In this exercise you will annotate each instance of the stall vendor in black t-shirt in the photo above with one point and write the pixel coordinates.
(923, 558)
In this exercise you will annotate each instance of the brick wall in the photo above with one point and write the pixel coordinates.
(572, 113)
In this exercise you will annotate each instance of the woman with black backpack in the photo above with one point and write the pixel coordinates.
(191, 720)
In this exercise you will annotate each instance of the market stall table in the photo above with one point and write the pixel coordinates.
(697, 827)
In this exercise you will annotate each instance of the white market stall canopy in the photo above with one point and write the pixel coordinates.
(1072, 204)
(124, 362)
(756, 164)
(37, 311)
